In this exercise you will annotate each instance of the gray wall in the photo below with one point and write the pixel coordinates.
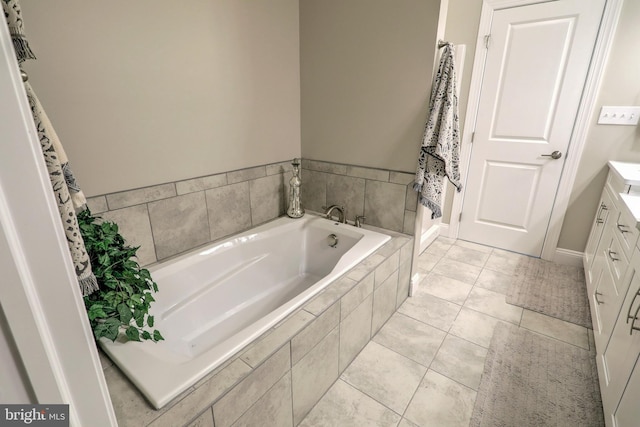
(155, 91)
(366, 69)
(463, 20)
(621, 86)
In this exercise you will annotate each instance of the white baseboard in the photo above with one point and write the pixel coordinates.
(562, 256)
(568, 257)
(429, 236)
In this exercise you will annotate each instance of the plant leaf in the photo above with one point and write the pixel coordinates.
(132, 333)
(100, 330)
(124, 294)
(138, 315)
(103, 259)
(125, 313)
(96, 311)
(127, 287)
(157, 336)
(112, 328)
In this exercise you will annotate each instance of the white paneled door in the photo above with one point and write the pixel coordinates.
(536, 66)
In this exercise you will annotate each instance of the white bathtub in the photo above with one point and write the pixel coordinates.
(214, 301)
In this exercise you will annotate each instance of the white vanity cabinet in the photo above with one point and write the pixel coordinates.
(618, 366)
(609, 248)
(612, 270)
(628, 411)
(617, 361)
(603, 218)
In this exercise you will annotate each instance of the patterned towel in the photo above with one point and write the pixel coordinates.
(66, 191)
(440, 152)
(13, 15)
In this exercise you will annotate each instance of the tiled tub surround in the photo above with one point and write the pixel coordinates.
(282, 375)
(168, 219)
(386, 198)
(216, 300)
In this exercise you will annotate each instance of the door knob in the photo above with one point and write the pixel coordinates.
(555, 155)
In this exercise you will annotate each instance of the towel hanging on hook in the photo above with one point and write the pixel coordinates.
(64, 186)
(439, 154)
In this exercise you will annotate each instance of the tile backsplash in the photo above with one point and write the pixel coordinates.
(171, 218)
(386, 198)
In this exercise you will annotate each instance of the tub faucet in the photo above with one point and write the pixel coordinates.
(340, 209)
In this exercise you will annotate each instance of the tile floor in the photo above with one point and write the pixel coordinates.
(423, 368)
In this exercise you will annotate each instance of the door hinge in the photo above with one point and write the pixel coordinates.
(487, 40)
(460, 217)
(473, 136)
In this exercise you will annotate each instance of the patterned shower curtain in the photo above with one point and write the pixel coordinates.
(439, 155)
(67, 193)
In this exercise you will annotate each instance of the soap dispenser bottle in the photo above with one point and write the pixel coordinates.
(295, 207)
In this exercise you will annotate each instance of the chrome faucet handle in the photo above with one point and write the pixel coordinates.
(359, 220)
(341, 216)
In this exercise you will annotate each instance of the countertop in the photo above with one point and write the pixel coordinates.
(628, 172)
(632, 204)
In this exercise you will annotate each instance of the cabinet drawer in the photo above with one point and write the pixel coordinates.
(605, 308)
(615, 256)
(602, 220)
(625, 229)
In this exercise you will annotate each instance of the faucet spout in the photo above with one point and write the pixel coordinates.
(340, 209)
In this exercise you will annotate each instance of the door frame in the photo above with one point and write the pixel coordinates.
(39, 295)
(604, 41)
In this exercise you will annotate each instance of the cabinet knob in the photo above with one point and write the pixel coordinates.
(598, 294)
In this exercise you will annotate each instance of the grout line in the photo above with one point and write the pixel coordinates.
(291, 382)
(489, 315)
(206, 205)
(371, 397)
(153, 237)
(454, 380)
(521, 316)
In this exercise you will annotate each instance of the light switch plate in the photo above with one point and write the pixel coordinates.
(619, 115)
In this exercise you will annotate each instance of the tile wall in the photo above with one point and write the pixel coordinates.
(283, 374)
(386, 198)
(169, 219)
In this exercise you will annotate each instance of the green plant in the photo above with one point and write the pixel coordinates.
(124, 295)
